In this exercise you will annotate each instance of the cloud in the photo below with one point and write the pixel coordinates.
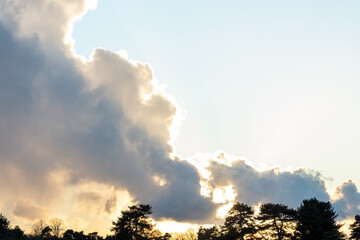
(253, 186)
(105, 120)
(50, 21)
(29, 211)
(91, 201)
(272, 185)
(96, 132)
(111, 204)
(347, 200)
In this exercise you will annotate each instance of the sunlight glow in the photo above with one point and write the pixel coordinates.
(218, 196)
(346, 224)
(222, 211)
(224, 194)
(257, 209)
(172, 226)
(205, 189)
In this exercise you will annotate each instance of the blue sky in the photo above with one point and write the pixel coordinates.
(273, 81)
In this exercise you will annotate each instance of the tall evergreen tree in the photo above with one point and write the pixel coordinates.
(316, 221)
(355, 228)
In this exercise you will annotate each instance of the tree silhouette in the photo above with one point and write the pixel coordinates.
(15, 234)
(355, 228)
(134, 223)
(73, 235)
(79, 236)
(212, 233)
(46, 232)
(7, 233)
(38, 227)
(316, 221)
(240, 222)
(68, 234)
(56, 225)
(277, 220)
(4, 225)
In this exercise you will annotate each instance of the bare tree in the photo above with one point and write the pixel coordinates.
(57, 226)
(38, 227)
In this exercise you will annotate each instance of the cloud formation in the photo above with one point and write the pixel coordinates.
(29, 211)
(96, 132)
(254, 186)
(66, 121)
(347, 199)
(270, 185)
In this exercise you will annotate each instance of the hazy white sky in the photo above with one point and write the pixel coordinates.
(273, 81)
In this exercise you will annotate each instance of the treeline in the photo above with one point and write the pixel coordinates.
(313, 220)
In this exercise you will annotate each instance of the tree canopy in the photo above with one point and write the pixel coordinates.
(355, 228)
(135, 223)
(211, 233)
(4, 225)
(313, 220)
(277, 220)
(316, 221)
(239, 222)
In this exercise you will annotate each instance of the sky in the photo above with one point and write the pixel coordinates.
(274, 82)
(185, 106)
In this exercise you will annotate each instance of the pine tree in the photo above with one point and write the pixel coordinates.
(355, 228)
(316, 221)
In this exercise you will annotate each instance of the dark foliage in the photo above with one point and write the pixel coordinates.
(277, 220)
(316, 221)
(355, 228)
(239, 224)
(313, 220)
(135, 224)
(212, 233)
(4, 225)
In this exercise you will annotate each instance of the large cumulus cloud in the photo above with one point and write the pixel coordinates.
(65, 121)
(95, 133)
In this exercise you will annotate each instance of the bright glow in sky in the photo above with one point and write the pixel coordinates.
(273, 81)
